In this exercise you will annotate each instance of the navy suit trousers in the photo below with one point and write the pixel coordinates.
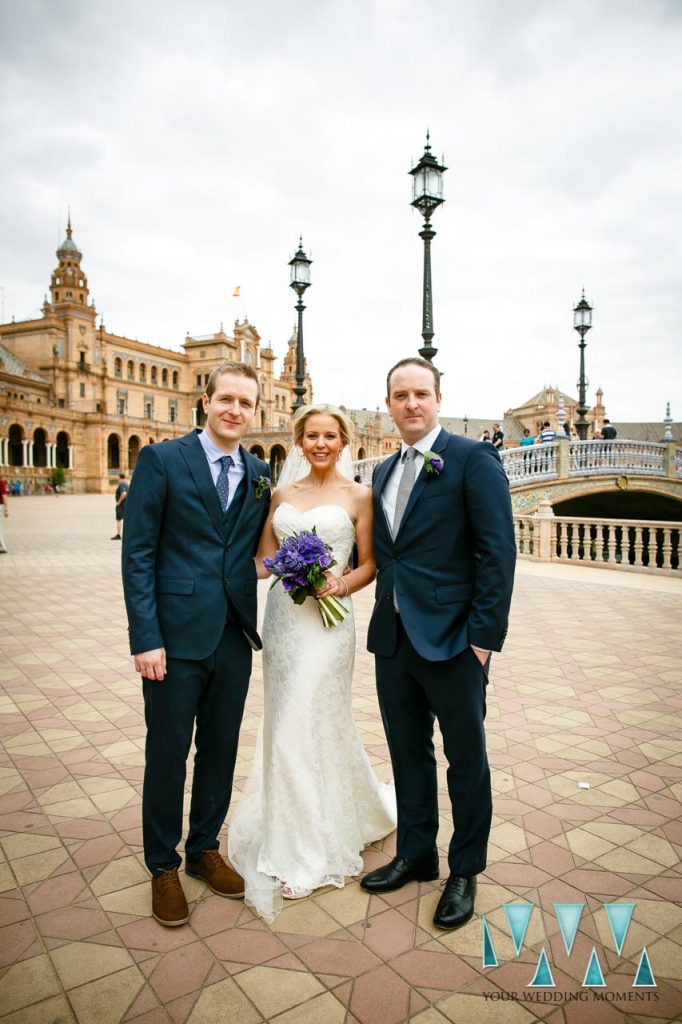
(211, 692)
(413, 693)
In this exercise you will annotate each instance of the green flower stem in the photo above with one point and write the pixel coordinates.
(331, 610)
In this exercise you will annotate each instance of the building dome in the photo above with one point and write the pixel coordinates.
(68, 246)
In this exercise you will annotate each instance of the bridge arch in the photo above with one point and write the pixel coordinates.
(616, 503)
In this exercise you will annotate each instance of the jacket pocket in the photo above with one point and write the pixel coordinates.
(451, 593)
(174, 585)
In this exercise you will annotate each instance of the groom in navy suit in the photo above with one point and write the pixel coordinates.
(194, 515)
(445, 552)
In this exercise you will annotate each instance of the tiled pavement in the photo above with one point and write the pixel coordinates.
(587, 690)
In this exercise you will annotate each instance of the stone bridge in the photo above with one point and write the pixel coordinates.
(561, 470)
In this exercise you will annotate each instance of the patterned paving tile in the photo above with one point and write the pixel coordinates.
(587, 690)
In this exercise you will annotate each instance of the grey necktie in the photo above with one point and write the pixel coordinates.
(223, 482)
(404, 487)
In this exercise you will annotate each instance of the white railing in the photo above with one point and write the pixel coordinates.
(599, 458)
(633, 545)
(533, 463)
(365, 467)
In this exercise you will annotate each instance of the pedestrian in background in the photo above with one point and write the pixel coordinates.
(120, 496)
(4, 512)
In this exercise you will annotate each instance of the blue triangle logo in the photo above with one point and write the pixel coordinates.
(619, 915)
(489, 954)
(518, 916)
(543, 973)
(568, 915)
(594, 977)
(645, 976)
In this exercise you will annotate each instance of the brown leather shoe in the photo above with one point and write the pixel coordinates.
(221, 878)
(169, 905)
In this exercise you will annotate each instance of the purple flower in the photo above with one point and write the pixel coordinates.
(433, 463)
(300, 564)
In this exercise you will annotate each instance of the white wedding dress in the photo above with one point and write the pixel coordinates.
(312, 801)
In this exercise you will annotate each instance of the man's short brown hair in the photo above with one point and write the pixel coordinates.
(243, 369)
(414, 361)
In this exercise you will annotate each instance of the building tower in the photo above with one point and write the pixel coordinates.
(69, 285)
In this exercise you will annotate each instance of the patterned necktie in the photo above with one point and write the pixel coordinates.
(404, 487)
(223, 482)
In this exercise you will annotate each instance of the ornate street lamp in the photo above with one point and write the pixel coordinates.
(466, 424)
(300, 280)
(427, 178)
(582, 322)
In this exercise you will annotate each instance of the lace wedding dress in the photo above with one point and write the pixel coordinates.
(312, 801)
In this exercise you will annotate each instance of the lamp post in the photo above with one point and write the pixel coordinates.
(582, 322)
(300, 280)
(466, 424)
(427, 184)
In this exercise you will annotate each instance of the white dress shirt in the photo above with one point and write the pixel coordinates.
(390, 492)
(214, 454)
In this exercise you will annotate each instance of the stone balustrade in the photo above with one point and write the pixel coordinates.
(563, 459)
(633, 545)
(365, 467)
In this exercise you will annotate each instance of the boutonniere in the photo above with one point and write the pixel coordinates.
(433, 463)
(262, 484)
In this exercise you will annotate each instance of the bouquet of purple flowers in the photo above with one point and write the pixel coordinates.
(300, 564)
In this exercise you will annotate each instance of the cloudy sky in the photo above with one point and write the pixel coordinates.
(194, 141)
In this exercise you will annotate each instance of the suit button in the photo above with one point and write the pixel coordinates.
(226, 580)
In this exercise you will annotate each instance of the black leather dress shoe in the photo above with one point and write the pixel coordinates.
(398, 873)
(456, 905)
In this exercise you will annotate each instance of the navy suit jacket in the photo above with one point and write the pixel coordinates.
(186, 566)
(452, 562)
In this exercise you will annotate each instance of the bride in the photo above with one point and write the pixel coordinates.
(312, 801)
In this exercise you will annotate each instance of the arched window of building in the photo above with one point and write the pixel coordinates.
(143, 373)
(133, 451)
(113, 452)
(16, 448)
(118, 367)
(131, 370)
(154, 374)
(361, 454)
(164, 377)
(277, 457)
(257, 450)
(176, 379)
(62, 453)
(200, 414)
(39, 448)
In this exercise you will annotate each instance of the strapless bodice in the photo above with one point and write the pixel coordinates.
(332, 523)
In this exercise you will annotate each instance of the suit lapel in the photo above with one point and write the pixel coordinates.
(250, 476)
(379, 512)
(196, 460)
(439, 446)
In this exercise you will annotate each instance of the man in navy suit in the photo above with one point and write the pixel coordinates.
(445, 552)
(194, 515)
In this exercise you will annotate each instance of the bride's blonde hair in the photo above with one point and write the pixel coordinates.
(306, 411)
